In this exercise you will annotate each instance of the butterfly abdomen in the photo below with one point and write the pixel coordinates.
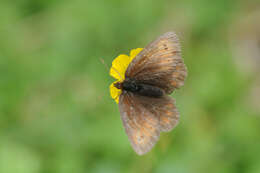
(150, 91)
(136, 87)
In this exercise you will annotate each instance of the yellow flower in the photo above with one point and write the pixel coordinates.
(118, 69)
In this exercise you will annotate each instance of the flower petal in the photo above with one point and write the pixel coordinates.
(115, 92)
(118, 69)
(119, 65)
(135, 52)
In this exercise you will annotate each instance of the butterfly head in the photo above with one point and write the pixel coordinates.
(118, 85)
(127, 85)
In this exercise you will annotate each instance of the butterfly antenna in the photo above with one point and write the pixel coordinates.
(103, 62)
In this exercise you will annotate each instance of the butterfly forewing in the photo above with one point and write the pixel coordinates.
(143, 119)
(160, 64)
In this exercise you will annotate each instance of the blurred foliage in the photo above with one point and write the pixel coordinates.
(56, 115)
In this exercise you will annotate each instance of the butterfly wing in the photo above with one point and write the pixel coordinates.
(144, 117)
(160, 64)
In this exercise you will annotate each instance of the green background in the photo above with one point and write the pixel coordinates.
(56, 114)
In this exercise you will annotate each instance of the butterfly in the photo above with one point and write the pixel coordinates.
(145, 106)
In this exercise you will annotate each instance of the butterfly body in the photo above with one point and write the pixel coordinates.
(144, 104)
(137, 87)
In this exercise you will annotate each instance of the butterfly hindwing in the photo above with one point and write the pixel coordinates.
(142, 127)
(143, 119)
(160, 64)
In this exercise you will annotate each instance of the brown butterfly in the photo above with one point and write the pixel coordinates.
(145, 107)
